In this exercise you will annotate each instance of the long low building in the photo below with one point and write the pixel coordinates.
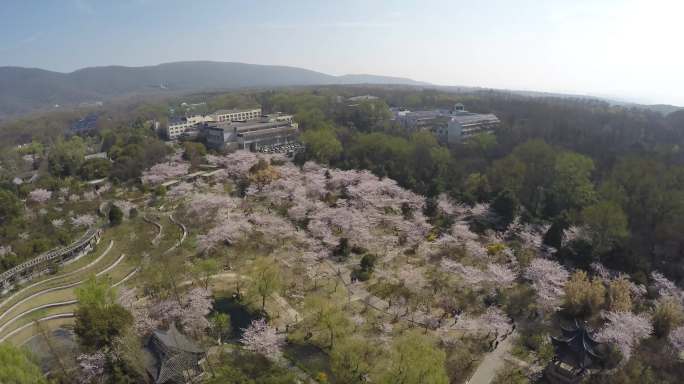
(449, 126)
(253, 134)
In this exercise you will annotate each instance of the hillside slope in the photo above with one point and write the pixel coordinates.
(23, 90)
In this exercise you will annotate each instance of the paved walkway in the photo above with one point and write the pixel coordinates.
(493, 362)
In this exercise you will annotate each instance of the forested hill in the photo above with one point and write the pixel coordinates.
(23, 90)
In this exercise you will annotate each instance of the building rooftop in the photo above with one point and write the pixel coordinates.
(170, 355)
(465, 118)
(363, 97)
(234, 110)
(576, 347)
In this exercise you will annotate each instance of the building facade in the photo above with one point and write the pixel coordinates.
(269, 130)
(191, 126)
(236, 114)
(449, 126)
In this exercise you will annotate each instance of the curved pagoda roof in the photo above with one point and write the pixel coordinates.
(576, 347)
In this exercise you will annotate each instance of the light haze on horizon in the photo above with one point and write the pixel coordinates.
(624, 49)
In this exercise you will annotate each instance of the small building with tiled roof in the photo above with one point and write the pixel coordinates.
(577, 354)
(172, 358)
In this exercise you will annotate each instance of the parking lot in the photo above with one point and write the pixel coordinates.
(290, 149)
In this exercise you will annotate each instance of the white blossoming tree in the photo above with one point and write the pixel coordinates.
(263, 339)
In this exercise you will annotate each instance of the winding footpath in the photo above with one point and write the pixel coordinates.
(493, 362)
(52, 305)
(94, 262)
(54, 289)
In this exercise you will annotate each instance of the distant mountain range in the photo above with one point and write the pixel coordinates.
(24, 90)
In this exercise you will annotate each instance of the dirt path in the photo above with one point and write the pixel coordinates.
(492, 362)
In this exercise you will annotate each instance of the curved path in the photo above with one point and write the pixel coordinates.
(159, 227)
(493, 362)
(106, 251)
(29, 311)
(52, 317)
(40, 293)
(52, 305)
(183, 228)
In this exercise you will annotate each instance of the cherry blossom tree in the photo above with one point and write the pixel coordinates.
(493, 320)
(84, 220)
(263, 339)
(164, 171)
(5, 250)
(548, 279)
(39, 195)
(143, 323)
(180, 190)
(89, 195)
(676, 338)
(625, 330)
(666, 287)
(191, 312)
(497, 274)
(199, 303)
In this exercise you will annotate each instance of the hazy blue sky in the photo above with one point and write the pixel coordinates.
(624, 48)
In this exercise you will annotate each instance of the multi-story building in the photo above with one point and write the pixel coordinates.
(236, 114)
(190, 126)
(186, 126)
(269, 130)
(450, 126)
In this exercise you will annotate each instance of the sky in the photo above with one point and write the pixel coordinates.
(625, 49)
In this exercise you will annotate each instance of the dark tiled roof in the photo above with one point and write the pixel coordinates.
(170, 356)
(576, 347)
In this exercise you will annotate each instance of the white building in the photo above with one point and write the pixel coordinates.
(184, 126)
(449, 126)
(189, 126)
(236, 114)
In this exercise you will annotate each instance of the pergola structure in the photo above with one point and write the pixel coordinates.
(37, 265)
(576, 355)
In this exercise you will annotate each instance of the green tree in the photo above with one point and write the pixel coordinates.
(220, 326)
(95, 169)
(10, 206)
(572, 188)
(342, 249)
(584, 297)
(352, 359)
(506, 205)
(607, 224)
(556, 233)
(476, 188)
(618, 298)
(194, 152)
(99, 319)
(507, 173)
(66, 157)
(322, 144)
(667, 316)
(539, 159)
(204, 269)
(115, 215)
(241, 367)
(265, 278)
(16, 367)
(415, 359)
(323, 315)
